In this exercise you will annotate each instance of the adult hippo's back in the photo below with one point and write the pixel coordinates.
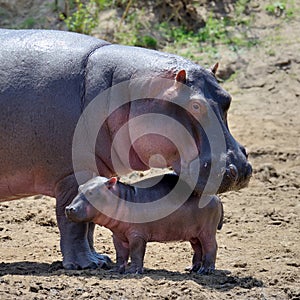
(48, 78)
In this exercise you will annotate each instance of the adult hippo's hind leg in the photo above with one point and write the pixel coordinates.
(75, 238)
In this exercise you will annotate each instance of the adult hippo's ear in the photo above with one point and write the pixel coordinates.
(181, 76)
(171, 92)
(214, 68)
(110, 183)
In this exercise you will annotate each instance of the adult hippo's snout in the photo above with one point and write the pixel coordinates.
(238, 170)
(219, 171)
(234, 178)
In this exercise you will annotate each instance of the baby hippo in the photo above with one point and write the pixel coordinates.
(182, 220)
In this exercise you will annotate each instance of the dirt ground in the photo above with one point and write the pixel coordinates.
(259, 246)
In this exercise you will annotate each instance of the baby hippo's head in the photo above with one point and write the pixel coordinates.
(91, 196)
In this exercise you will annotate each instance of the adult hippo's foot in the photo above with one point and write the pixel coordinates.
(77, 251)
(76, 240)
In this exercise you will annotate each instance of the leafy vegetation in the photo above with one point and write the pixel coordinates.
(85, 17)
(232, 32)
(135, 27)
(279, 8)
(276, 8)
(28, 23)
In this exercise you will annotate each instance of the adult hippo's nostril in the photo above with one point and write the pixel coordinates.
(233, 172)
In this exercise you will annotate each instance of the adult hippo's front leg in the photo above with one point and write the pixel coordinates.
(76, 239)
(105, 260)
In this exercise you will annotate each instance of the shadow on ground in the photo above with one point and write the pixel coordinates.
(220, 279)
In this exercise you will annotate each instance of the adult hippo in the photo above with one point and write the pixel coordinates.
(48, 78)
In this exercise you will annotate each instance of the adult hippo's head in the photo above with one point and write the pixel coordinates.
(209, 104)
(160, 110)
(184, 125)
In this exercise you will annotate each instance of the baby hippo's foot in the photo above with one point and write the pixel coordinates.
(200, 268)
(135, 270)
(119, 269)
(206, 270)
(194, 268)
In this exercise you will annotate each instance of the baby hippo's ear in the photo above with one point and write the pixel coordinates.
(110, 183)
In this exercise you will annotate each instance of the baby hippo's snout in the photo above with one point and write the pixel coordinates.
(80, 210)
(72, 213)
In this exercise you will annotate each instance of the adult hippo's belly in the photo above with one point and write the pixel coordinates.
(72, 105)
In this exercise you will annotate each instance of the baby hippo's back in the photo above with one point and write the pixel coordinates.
(185, 223)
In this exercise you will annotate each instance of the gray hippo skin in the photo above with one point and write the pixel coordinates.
(48, 78)
(186, 223)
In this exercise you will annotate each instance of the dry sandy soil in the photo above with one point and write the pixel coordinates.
(259, 246)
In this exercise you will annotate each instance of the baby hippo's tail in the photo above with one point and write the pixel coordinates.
(222, 217)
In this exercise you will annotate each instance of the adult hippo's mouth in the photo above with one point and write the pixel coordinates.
(238, 170)
(219, 174)
(233, 179)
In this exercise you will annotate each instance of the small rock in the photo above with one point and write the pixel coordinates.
(274, 282)
(283, 64)
(263, 270)
(5, 238)
(225, 72)
(293, 264)
(85, 295)
(34, 289)
(275, 223)
(240, 265)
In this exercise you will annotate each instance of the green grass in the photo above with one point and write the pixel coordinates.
(276, 8)
(85, 17)
(28, 23)
(3, 13)
(282, 8)
(135, 29)
(215, 32)
(271, 52)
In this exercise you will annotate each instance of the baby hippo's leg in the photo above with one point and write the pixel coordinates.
(122, 253)
(137, 246)
(197, 257)
(209, 252)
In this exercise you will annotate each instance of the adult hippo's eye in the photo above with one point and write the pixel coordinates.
(197, 108)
